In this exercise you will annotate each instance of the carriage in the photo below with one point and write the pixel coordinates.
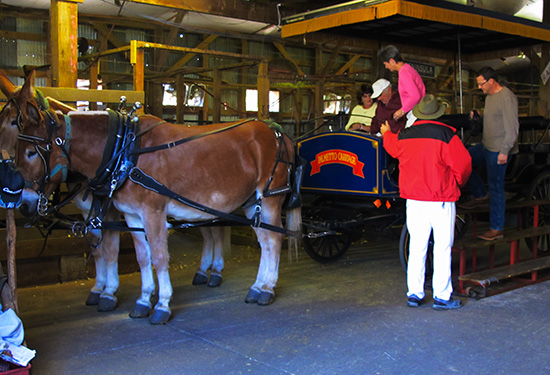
(350, 185)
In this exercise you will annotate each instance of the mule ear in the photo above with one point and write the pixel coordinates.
(27, 90)
(6, 86)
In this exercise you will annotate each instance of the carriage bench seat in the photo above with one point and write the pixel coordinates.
(515, 268)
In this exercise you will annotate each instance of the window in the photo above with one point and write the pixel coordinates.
(252, 101)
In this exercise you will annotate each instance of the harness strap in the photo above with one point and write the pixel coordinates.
(188, 139)
(139, 177)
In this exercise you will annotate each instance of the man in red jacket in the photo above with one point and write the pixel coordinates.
(433, 164)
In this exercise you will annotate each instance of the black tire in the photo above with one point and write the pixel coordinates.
(328, 247)
(461, 225)
(539, 190)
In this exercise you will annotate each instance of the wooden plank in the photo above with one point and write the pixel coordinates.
(509, 206)
(509, 236)
(494, 275)
(71, 95)
(30, 244)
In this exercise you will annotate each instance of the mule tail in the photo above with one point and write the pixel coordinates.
(294, 225)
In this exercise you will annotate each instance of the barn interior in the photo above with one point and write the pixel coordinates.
(298, 63)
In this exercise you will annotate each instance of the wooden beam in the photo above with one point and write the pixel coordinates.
(163, 55)
(71, 95)
(287, 56)
(247, 10)
(106, 35)
(63, 33)
(263, 91)
(347, 65)
(189, 56)
(23, 36)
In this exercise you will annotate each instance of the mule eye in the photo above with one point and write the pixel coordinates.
(30, 154)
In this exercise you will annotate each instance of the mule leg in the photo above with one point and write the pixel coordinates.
(100, 278)
(222, 240)
(262, 291)
(143, 254)
(110, 248)
(156, 229)
(201, 276)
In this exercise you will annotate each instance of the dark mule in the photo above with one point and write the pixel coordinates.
(102, 294)
(220, 169)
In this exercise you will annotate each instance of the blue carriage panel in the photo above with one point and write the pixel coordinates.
(346, 163)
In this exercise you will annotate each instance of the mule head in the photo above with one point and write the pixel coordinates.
(9, 117)
(39, 150)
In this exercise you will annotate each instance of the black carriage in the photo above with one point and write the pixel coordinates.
(350, 185)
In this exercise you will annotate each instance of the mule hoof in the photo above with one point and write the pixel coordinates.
(93, 299)
(252, 296)
(140, 311)
(215, 280)
(159, 317)
(200, 278)
(106, 304)
(266, 298)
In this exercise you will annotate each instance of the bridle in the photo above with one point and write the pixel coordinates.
(19, 116)
(44, 148)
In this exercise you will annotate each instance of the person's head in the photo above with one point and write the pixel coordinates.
(429, 108)
(364, 96)
(391, 57)
(487, 80)
(382, 90)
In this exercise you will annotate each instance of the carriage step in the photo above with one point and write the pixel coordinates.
(495, 275)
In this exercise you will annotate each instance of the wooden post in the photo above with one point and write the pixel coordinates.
(64, 33)
(137, 60)
(10, 245)
(263, 91)
(181, 94)
(217, 97)
(10, 299)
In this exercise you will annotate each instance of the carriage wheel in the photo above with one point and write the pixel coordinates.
(461, 225)
(539, 190)
(329, 246)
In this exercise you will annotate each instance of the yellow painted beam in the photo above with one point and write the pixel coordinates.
(64, 33)
(72, 95)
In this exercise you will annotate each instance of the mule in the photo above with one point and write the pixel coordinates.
(221, 167)
(105, 255)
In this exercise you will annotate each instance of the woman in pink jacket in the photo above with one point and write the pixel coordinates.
(410, 86)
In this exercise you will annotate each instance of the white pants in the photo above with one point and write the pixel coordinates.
(410, 119)
(422, 218)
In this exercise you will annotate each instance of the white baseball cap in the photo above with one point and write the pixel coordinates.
(378, 87)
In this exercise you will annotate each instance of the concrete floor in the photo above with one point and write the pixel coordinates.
(348, 317)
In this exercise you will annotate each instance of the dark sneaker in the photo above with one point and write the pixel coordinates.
(414, 301)
(491, 235)
(474, 203)
(440, 304)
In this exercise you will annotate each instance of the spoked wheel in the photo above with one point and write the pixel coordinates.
(324, 243)
(539, 190)
(461, 225)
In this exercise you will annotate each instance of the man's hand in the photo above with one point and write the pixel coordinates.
(384, 128)
(502, 159)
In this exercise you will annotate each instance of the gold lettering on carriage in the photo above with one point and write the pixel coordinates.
(340, 157)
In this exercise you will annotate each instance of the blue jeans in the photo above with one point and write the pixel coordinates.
(495, 181)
